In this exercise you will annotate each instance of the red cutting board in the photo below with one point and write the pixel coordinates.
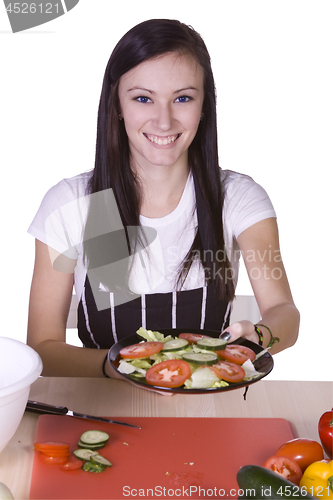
(167, 458)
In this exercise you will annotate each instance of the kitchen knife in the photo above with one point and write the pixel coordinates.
(36, 407)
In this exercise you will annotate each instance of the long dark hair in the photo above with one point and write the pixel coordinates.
(145, 41)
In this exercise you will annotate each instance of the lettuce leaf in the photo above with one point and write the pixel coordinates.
(133, 366)
(204, 378)
(151, 336)
(250, 371)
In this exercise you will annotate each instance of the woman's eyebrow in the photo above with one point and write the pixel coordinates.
(186, 88)
(141, 88)
(152, 91)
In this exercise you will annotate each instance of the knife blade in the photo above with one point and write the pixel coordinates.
(36, 407)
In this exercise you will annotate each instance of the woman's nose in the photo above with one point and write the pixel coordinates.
(163, 117)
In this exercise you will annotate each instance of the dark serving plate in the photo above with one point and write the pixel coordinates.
(263, 364)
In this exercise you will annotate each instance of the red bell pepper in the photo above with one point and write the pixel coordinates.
(325, 430)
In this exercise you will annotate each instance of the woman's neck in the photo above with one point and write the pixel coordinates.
(161, 190)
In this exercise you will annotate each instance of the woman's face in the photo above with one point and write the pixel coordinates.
(161, 103)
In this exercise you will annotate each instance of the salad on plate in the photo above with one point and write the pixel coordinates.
(189, 361)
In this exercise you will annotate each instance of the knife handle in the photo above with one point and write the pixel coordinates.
(36, 407)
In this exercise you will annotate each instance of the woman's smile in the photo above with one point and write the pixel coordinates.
(162, 141)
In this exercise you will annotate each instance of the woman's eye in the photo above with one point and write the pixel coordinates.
(183, 98)
(142, 99)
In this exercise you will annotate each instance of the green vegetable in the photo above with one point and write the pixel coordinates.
(98, 459)
(94, 437)
(92, 447)
(204, 378)
(151, 336)
(84, 454)
(136, 367)
(90, 467)
(211, 344)
(175, 345)
(201, 358)
(259, 483)
(250, 371)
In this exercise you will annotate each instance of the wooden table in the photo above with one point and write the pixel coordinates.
(301, 403)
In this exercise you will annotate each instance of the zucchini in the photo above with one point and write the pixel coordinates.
(211, 344)
(259, 483)
(200, 358)
(84, 454)
(175, 345)
(98, 459)
(94, 437)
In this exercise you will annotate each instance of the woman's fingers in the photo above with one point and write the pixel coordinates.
(243, 329)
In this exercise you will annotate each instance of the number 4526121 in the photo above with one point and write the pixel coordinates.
(33, 8)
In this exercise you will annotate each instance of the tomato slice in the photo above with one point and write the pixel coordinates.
(236, 354)
(55, 453)
(72, 463)
(285, 467)
(52, 447)
(169, 373)
(54, 460)
(141, 350)
(302, 450)
(192, 338)
(54, 444)
(228, 371)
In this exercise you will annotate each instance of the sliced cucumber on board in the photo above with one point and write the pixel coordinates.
(84, 454)
(94, 437)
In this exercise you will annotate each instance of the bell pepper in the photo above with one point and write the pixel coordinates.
(318, 479)
(325, 430)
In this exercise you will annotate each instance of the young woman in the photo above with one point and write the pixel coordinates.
(153, 235)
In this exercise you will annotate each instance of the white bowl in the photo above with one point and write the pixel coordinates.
(20, 366)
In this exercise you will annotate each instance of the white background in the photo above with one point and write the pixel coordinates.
(272, 62)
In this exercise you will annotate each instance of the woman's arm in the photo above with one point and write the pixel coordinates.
(259, 245)
(50, 298)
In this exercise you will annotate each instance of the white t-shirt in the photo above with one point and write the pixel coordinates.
(60, 222)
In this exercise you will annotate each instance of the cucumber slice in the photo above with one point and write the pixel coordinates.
(211, 344)
(91, 447)
(175, 345)
(200, 358)
(99, 460)
(94, 437)
(84, 454)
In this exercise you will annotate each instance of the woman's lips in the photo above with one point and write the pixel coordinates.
(162, 141)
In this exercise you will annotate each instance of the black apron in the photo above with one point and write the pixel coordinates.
(199, 308)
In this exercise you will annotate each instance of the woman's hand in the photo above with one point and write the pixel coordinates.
(243, 329)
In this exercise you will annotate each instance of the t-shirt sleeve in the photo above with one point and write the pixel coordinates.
(246, 203)
(59, 220)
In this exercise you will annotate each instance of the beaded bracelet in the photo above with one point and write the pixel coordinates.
(103, 367)
(273, 340)
(260, 335)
